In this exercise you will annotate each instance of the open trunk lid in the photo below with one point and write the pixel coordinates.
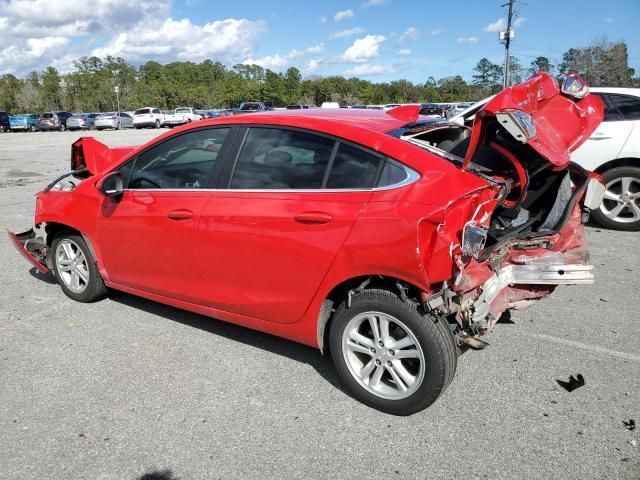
(536, 113)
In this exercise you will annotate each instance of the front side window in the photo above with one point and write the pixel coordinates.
(182, 162)
(274, 158)
(628, 106)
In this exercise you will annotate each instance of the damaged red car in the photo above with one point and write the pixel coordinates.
(392, 241)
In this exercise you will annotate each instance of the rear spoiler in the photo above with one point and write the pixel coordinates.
(94, 156)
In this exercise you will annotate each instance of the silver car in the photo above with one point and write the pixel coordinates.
(82, 121)
(115, 120)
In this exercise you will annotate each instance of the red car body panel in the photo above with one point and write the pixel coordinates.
(269, 259)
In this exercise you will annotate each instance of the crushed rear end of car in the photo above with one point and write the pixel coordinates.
(505, 246)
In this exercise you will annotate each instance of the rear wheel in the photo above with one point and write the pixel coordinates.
(620, 207)
(2, 129)
(118, 126)
(32, 128)
(157, 123)
(63, 127)
(76, 269)
(392, 357)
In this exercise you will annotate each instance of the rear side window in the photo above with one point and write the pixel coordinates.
(610, 111)
(142, 111)
(628, 106)
(156, 110)
(353, 168)
(274, 158)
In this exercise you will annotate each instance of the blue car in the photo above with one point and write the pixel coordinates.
(24, 122)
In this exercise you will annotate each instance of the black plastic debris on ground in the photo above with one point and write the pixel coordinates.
(630, 425)
(573, 383)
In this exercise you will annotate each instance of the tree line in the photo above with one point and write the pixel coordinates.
(90, 86)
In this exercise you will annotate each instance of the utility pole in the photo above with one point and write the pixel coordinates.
(507, 41)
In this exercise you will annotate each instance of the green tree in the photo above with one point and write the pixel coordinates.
(540, 64)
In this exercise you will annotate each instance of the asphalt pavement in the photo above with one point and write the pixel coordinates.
(126, 387)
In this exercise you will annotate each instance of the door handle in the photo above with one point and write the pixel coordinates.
(599, 136)
(180, 214)
(313, 217)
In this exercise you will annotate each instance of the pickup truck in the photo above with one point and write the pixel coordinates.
(181, 116)
(250, 107)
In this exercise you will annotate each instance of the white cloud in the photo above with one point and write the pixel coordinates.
(363, 49)
(347, 33)
(374, 3)
(343, 15)
(368, 69)
(405, 52)
(279, 62)
(315, 49)
(312, 66)
(467, 40)
(500, 25)
(228, 40)
(39, 46)
(410, 33)
(436, 31)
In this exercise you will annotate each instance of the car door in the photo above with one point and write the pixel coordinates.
(269, 239)
(148, 236)
(607, 140)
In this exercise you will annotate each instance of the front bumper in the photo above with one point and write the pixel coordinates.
(32, 247)
(18, 127)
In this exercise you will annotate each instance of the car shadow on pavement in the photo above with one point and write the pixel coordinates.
(270, 343)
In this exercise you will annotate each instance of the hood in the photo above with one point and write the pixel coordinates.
(95, 156)
(553, 124)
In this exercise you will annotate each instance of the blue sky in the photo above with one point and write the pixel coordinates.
(376, 39)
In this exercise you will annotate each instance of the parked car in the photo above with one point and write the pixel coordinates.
(250, 107)
(25, 122)
(357, 232)
(298, 107)
(389, 106)
(431, 109)
(148, 117)
(115, 120)
(82, 121)
(180, 116)
(5, 122)
(612, 151)
(53, 121)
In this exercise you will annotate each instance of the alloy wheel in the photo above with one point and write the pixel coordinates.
(72, 266)
(621, 202)
(383, 355)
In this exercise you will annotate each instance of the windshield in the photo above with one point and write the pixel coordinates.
(142, 111)
(183, 110)
(250, 106)
(47, 115)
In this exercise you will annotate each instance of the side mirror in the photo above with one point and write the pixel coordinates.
(112, 185)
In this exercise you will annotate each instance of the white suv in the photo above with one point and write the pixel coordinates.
(613, 151)
(148, 117)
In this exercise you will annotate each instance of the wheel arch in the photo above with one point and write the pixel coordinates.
(54, 228)
(618, 162)
(343, 291)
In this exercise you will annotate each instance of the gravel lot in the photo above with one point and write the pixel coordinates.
(127, 387)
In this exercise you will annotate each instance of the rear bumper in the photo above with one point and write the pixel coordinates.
(150, 123)
(31, 247)
(19, 127)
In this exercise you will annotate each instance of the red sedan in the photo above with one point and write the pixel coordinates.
(393, 241)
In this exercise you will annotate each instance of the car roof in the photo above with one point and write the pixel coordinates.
(624, 90)
(378, 121)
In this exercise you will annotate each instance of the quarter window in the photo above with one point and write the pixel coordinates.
(275, 158)
(182, 162)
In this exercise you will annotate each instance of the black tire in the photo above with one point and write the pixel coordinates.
(118, 126)
(63, 127)
(2, 128)
(32, 128)
(600, 217)
(434, 337)
(157, 123)
(95, 288)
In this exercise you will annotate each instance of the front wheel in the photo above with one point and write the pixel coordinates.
(620, 207)
(32, 128)
(76, 269)
(63, 127)
(157, 123)
(391, 357)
